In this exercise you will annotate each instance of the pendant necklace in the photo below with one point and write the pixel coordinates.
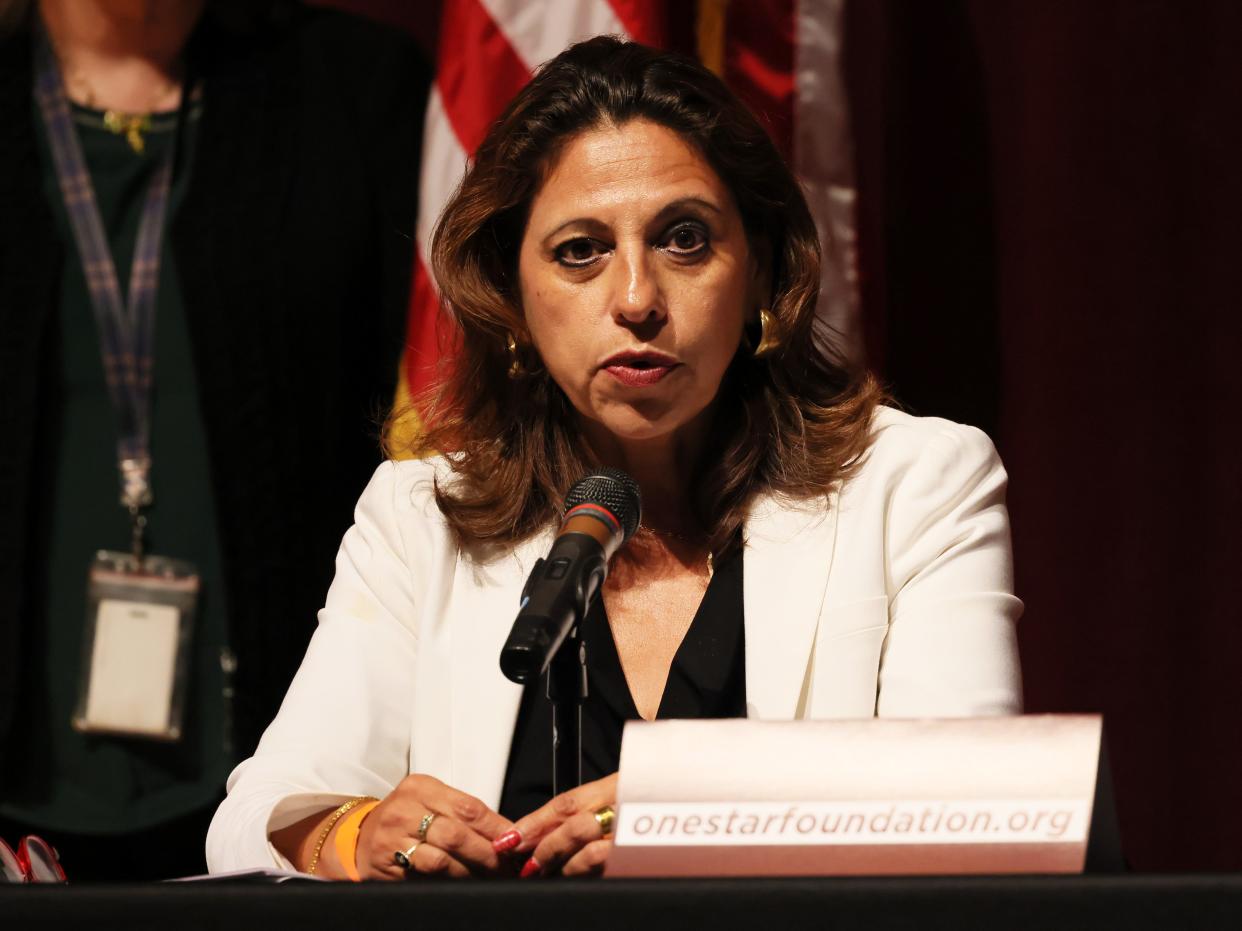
(130, 125)
(120, 122)
(685, 538)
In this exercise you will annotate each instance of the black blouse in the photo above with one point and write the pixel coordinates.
(706, 680)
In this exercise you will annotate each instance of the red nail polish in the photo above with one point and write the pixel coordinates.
(507, 841)
(532, 868)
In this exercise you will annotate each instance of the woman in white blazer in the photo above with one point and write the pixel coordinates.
(632, 273)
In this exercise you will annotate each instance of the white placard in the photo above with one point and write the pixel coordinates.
(876, 796)
(133, 666)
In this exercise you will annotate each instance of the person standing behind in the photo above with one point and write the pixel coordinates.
(272, 274)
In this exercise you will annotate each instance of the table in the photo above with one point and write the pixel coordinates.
(872, 904)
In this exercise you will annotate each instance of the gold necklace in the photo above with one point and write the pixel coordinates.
(121, 122)
(676, 535)
(131, 125)
(685, 538)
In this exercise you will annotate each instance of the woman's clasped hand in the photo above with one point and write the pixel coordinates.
(571, 835)
(437, 830)
(424, 827)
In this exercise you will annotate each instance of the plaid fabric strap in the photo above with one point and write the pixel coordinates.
(126, 334)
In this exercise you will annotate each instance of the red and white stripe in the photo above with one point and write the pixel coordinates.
(823, 157)
(488, 51)
(783, 57)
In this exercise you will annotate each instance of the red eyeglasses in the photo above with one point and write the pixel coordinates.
(35, 861)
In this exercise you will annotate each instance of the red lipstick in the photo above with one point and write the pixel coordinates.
(636, 369)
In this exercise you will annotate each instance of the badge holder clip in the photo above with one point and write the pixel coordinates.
(140, 615)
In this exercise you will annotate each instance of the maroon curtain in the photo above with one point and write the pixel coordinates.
(1051, 200)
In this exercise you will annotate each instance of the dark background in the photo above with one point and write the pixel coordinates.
(1050, 239)
(1050, 203)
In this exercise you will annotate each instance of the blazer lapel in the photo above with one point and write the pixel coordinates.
(484, 703)
(789, 552)
(786, 564)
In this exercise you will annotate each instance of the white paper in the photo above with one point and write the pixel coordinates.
(133, 666)
(254, 876)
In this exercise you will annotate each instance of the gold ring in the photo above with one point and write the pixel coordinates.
(604, 818)
(405, 858)
(425, 825)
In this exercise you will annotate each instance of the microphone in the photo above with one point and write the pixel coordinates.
(601, 514)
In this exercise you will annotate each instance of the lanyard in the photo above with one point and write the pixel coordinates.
(126, 333)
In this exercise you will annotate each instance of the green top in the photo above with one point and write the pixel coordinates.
(95, 784)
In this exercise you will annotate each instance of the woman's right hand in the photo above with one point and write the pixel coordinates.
(458, 841)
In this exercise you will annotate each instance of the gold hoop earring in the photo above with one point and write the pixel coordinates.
(515, 364)
(769, 339)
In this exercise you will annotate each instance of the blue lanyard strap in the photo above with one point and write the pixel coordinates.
(126, 333)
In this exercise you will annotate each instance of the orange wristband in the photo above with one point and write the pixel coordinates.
(329, 824)
(347, 840)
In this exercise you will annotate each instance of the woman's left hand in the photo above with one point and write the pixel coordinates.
(564, 836)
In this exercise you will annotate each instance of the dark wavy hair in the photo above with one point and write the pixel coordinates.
(793, 422)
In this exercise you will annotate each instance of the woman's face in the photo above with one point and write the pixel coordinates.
(636, 279)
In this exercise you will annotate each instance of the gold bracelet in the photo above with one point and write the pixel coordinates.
(332, 820)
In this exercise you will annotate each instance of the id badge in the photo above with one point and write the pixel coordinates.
(136, 645)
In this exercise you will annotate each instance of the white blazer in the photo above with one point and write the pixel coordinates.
(892, 598)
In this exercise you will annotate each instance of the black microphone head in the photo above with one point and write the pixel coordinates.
(611, 489)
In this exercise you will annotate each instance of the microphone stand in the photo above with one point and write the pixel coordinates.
(567, 690)
(601, 513)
